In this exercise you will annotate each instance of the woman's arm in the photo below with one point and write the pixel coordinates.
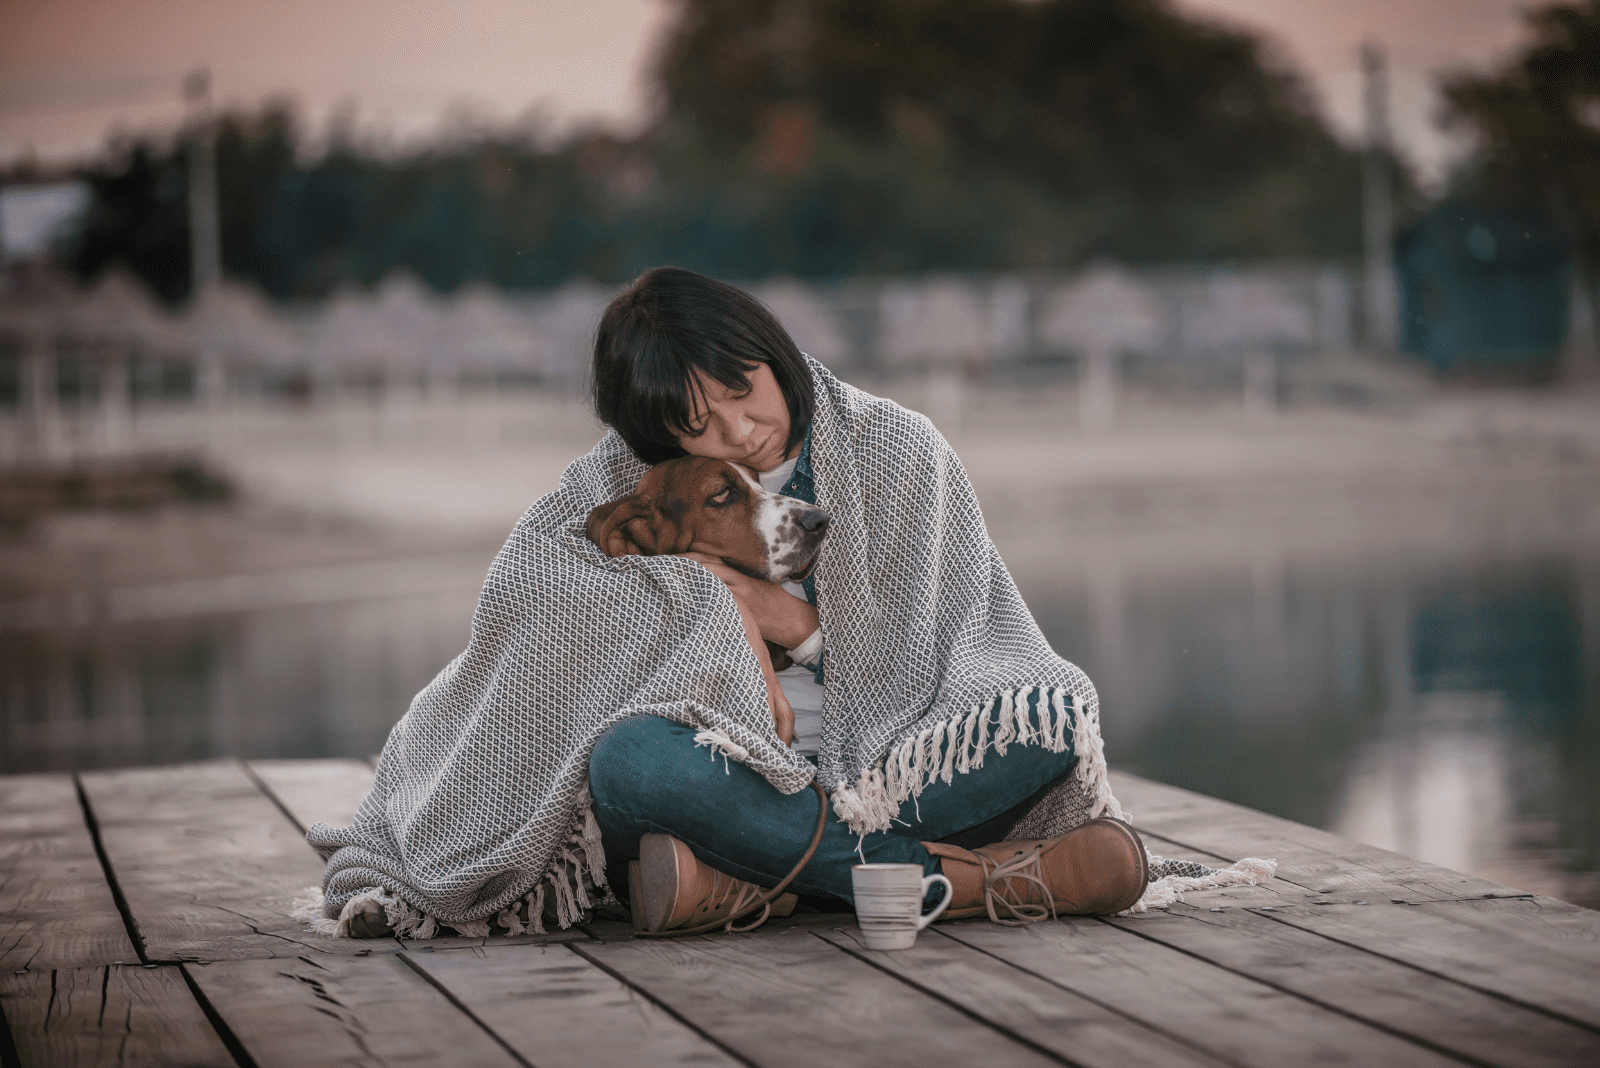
(782, 618)
(777, 701)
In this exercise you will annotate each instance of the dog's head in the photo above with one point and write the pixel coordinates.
(696, 504)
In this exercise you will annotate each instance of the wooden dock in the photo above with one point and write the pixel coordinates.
(144, 920)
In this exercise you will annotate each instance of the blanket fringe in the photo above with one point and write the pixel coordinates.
(1169, 889)
(957, 744)
(718, 742)
(576, 878)
(308, 909)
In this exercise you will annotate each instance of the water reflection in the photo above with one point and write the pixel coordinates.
(1448, 712)
(300, 681)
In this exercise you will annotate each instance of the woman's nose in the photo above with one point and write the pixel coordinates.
(739, 426)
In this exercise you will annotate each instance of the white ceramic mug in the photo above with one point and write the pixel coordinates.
(889, 903)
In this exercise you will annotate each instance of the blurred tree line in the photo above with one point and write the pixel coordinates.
(818, 138)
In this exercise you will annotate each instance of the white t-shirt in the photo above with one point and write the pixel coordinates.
(798, 682)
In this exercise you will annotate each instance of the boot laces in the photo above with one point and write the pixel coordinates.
(1006, 883)
(734, 894)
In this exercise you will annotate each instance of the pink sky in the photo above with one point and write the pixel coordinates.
(72, 71)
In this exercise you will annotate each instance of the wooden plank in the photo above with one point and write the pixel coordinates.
(560, 1011)
(1454, 940)
(1443, 1013)
(1025, 1006)
(1273, 892)
(315, 791)
(1308, 857)
(553, 936)
(1237, 1019)
(126, 1016)
(208, 865)
(787, 999)
(1555, 924)
(342, 1011)
(56, 908)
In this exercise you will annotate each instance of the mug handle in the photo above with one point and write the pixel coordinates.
(923, 921)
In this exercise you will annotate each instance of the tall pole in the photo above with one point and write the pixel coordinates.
(205, 253)
(205, 247)
(1377, 207)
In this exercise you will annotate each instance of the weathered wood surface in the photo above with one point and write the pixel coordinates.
(1381, 991)
(56, 908)
(1307, 857)
(291, 1013)
(1438, 938)
(559, 1010)
(210, 857)
(790, 1000)
(1029, 1008)
(1237, 1019)
(123, 1015)
(315, 791)
(208, 865)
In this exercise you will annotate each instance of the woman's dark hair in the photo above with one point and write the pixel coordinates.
(665, 326)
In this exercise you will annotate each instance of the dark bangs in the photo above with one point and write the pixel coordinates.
(669, 323)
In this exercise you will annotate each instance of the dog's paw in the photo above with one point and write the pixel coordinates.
(369, 922)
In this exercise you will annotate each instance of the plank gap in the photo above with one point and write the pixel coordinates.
(235, 1048)
(250, 773)
(1109, 1006)
(1543, 1010)
(663, 1006)
(954, 1004)
(134, 934)
(449, 996)
(1346, 1013)
(9, 1056)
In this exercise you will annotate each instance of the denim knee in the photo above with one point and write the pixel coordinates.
(614, 762)
(648, 764)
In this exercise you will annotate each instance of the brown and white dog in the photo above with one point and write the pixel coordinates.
(697, 504)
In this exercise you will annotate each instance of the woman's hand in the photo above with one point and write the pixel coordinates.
(780, 616)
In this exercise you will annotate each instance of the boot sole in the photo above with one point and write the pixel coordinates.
(659, 867)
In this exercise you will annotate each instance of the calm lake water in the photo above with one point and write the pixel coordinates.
(1451, 712)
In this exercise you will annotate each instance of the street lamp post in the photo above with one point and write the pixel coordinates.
(204, 237)
(1377, 207)
(205, 246)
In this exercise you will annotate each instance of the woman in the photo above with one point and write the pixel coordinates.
(936, 716)
(688, 365)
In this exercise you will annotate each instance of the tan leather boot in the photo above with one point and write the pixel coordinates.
(1094, 869)
(673, 889)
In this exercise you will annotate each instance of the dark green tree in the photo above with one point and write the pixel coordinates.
(1538, 124)
(1151, 136)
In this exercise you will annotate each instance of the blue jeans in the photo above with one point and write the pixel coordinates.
(645, 774)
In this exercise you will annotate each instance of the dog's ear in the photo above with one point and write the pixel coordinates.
(632, 524)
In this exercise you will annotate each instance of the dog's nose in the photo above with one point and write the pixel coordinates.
(814, 520)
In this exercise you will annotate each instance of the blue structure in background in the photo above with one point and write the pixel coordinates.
(1483, 290)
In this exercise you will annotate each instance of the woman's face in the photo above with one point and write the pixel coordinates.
(749, 428)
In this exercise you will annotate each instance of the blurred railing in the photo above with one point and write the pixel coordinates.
(106, 372)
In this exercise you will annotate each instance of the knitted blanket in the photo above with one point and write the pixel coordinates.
(480, 800)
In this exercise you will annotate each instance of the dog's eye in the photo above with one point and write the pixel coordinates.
(724, 497)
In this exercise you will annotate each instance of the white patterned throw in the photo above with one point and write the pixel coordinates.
(480, 800)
